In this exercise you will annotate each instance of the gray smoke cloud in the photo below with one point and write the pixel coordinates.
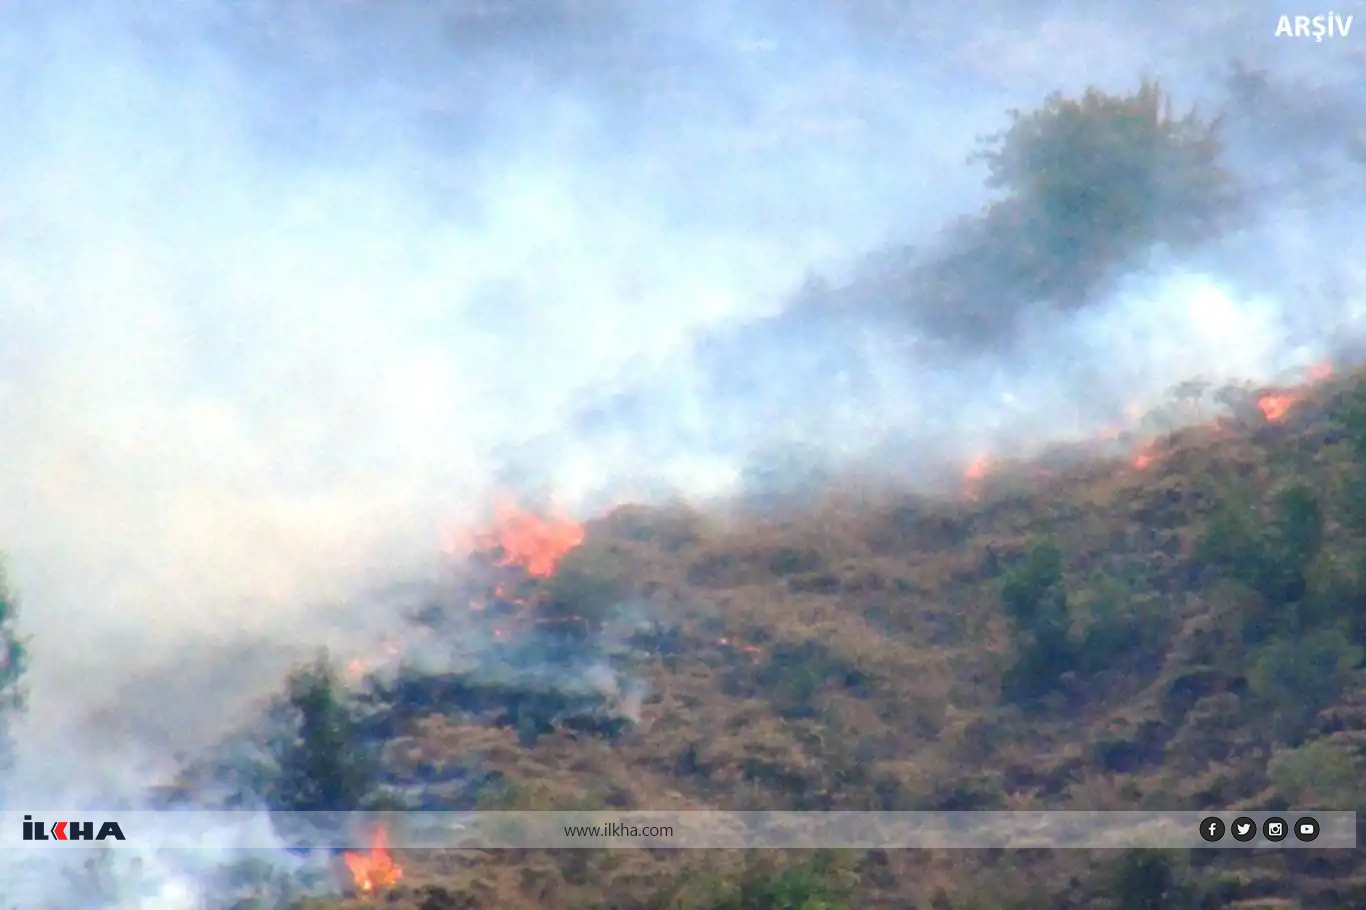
(286, 287)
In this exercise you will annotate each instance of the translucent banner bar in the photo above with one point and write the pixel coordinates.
(57, 830)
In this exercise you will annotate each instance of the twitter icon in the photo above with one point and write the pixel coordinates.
(1244, 829)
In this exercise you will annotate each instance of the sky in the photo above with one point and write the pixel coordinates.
(289, 288)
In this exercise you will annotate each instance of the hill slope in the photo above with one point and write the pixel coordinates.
(1199, 648)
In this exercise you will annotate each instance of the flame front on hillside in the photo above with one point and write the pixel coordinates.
(375, 869)
(525, 540)
(1274, 405)
(523, 548)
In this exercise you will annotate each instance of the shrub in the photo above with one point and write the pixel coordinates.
(1295, 679)
(1273, 557)
(1116, 624)
(1035, 602)
(1091, 183)
(1097, 178)
(1350, 418)
(807, 886)
(1322, 774)
(793, 674)
(324, 767)
(13, 665)
(1147, 880)
(587, 586)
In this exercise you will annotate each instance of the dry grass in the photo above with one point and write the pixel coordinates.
(895, 599)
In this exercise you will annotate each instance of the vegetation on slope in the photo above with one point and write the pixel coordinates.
(1104, 637)
(1091, 185)
(1183, 634)
(13, 663)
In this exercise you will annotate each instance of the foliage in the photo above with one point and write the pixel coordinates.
(1297, 678)
(324, 767)
(1116, 623)
(793, 674)
(807, 886)
(1350, 419)
(1148, 880)
(1035, 602)
(1091, 184)
(1323, 774)
(587, 586)
(1097, 178)
(1272, 557)
(13, 666)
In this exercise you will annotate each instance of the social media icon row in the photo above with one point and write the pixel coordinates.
(1274, 829)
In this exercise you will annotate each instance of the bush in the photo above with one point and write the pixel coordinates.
(1295, 679)
(13, 665)
(1098, 178)
(1272, 557)
(587, 586)
(1351, 422)
(1322, 774)
(1148, 880)
(1035, 602)
(807, 886)
(1116, 624)
(1092, 183)
(325, 766)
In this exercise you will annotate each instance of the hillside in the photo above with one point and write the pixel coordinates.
(874, 650)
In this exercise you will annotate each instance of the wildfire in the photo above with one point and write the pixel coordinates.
(358, 668)
(374, 870)
(1275, 405)
(529, 541)
(974, 474)
(1143, 458)
(1320, 372)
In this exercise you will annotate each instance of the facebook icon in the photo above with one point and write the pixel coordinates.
(1212, 829)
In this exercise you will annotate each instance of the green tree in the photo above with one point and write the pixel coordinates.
(1272, 557)
(13, 666)
(1148, 880)
(1035, 602)
(324, 766)
(1294, 679)
(1097, 178)
(1323, 774)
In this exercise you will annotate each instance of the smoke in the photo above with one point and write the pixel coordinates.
(285, 287)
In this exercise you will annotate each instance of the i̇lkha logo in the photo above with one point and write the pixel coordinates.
(78, 831)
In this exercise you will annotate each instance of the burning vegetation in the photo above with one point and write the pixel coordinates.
(1103, 638)
(1234, 404)
(1122, 636)
(373, 870)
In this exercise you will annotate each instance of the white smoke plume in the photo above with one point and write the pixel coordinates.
(285, 286)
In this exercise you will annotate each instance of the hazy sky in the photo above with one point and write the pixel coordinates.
(282, 283)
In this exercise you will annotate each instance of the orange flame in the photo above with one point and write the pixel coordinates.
(374, 870)
(1275, 406)
(974, 474)
(1146, 455)
(535, 544)
(358, 668)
